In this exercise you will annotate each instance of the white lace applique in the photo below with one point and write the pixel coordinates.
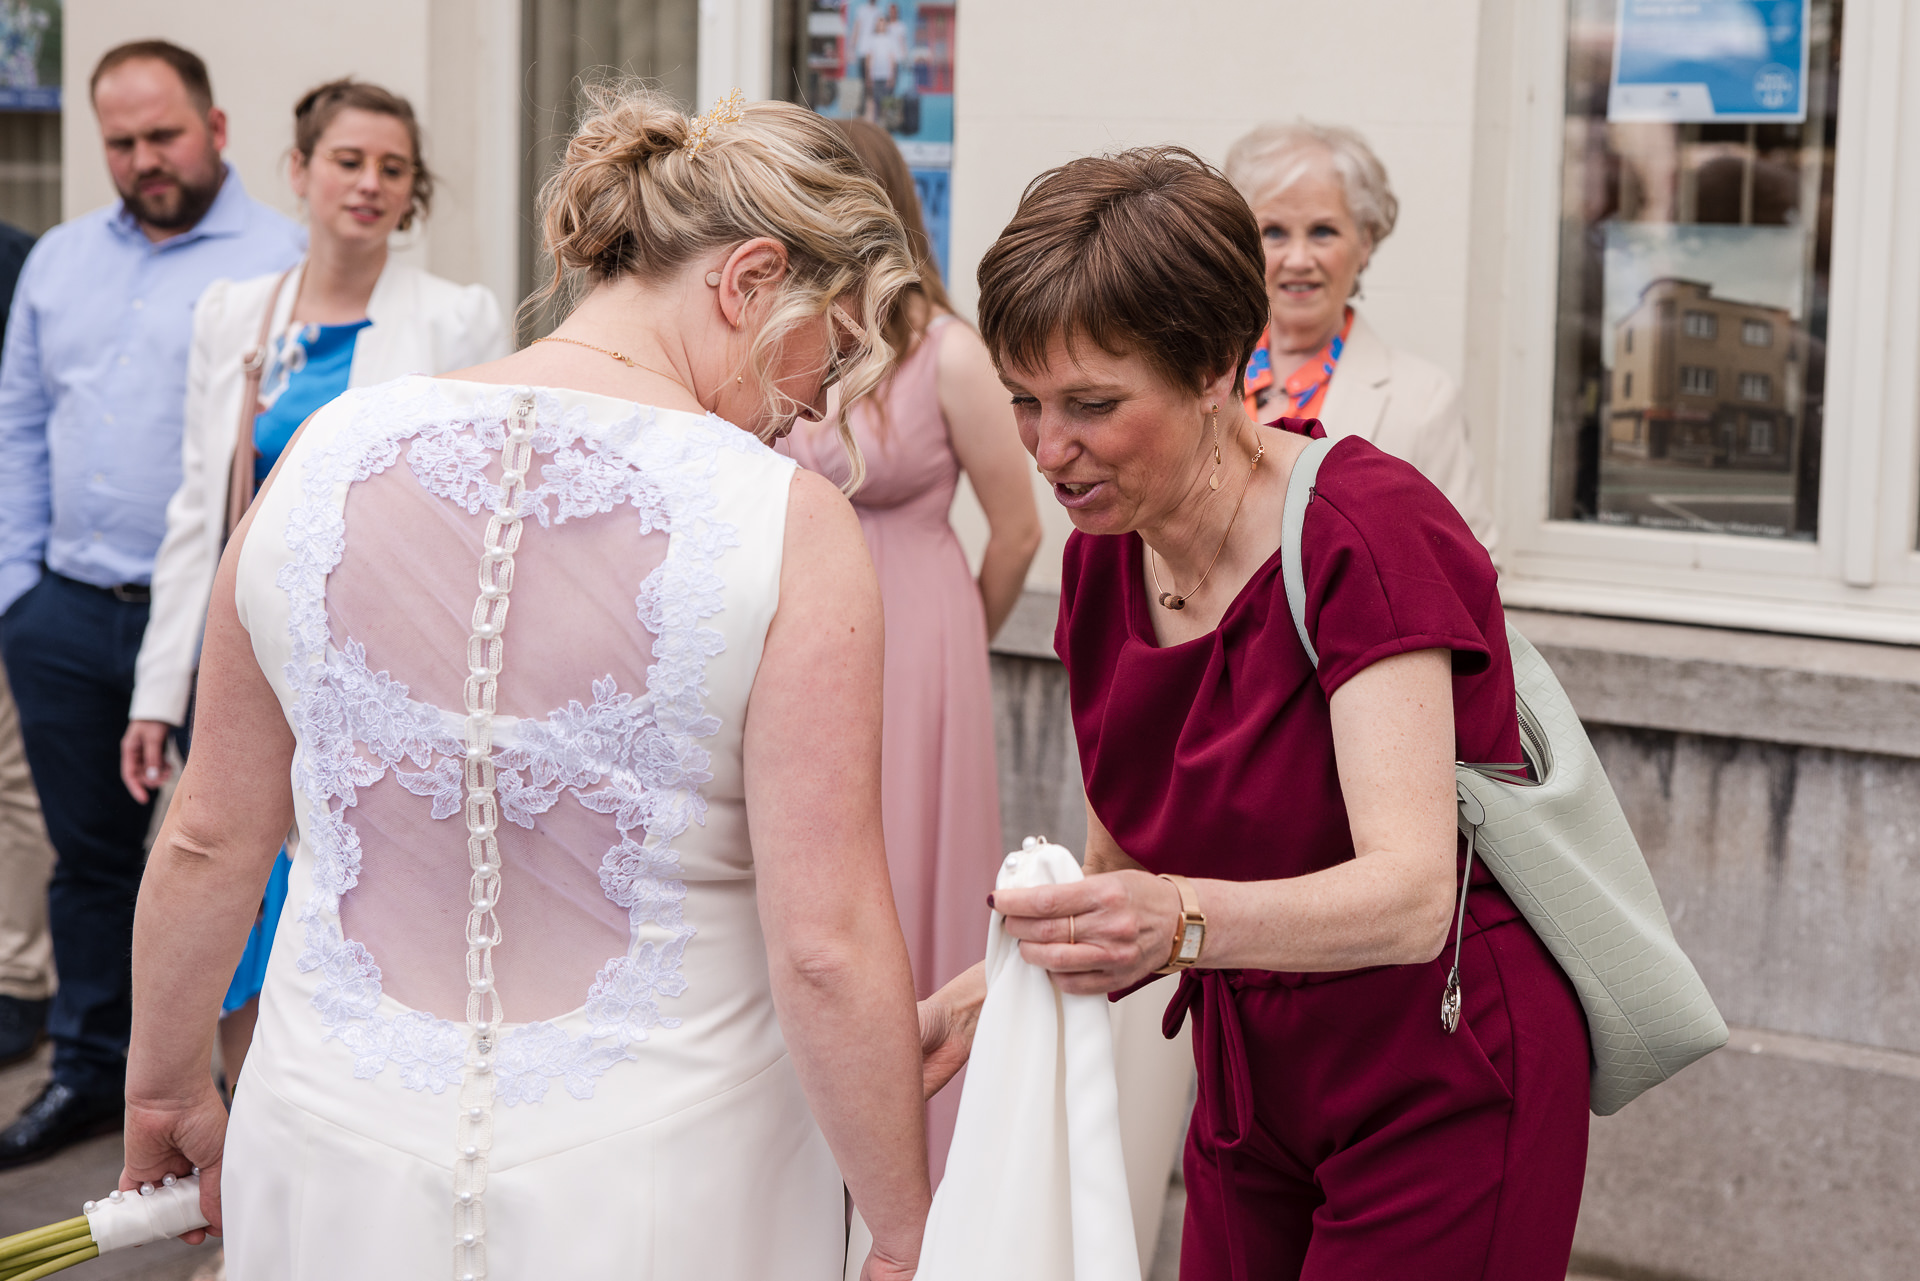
(631, 755)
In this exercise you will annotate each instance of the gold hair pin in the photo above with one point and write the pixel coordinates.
(730, 110)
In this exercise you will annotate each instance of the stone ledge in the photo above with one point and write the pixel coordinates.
(1853, 695)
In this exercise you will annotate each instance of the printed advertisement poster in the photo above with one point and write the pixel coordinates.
(1699, 61)
(891, 63)
(29, 55)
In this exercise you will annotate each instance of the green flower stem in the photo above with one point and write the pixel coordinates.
(47, 1269)
(21, 1262)
(21, 1243)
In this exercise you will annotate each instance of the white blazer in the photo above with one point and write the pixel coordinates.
(1409, 408)
(421, 324)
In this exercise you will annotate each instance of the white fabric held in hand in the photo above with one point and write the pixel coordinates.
(160, 1215)
(1035, 1188)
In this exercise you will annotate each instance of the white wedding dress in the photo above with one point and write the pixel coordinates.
(634, 1112)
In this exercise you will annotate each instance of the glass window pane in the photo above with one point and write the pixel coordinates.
(1690, 357)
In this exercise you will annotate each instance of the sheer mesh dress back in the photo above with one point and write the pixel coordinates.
(518, 1021)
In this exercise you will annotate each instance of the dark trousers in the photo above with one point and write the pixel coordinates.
(1341, 1134)
(69, 651)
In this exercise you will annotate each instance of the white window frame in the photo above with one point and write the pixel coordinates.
(1861, 577)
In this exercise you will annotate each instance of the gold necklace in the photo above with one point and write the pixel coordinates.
(1177, 600)
(628, 361)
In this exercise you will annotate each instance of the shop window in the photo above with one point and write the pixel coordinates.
(1693, 209)
(1757, 161)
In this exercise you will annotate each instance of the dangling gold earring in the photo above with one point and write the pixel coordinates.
(1213, 416)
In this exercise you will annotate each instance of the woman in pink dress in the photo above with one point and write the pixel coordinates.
(942, 413)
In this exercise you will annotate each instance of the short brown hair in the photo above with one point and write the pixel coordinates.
(318, 107)
(185, 63)
(1150, 251)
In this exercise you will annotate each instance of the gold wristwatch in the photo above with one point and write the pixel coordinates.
(1191, 933)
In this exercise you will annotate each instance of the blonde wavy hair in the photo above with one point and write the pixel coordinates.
(630, 199)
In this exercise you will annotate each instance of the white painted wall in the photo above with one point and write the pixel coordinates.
(457, 61)
(1038, 84)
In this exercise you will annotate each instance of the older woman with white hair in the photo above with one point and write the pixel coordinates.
(1324, 204)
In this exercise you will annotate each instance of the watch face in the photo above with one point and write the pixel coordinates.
(1190, 941)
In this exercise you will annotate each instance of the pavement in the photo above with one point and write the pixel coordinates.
(33, 1196)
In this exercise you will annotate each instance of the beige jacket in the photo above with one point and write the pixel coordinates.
(1408, 408)
(421, 324)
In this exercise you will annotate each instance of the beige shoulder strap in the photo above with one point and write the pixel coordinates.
(240, 476)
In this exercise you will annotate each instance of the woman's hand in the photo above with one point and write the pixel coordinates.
(1098, 935)
(143, 758)
(171, 1137)
(947, 1020)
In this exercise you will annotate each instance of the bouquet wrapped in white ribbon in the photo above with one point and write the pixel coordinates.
(155, 1212)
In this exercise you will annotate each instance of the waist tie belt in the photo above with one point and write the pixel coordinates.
(1220, 1057)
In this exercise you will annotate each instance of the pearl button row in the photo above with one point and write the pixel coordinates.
(485, 651)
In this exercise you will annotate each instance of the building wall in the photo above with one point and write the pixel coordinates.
(1792, 877)
(1038, 84)
(457, 61)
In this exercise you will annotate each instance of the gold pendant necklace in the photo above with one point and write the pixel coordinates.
(628, 361)
(1177, 600)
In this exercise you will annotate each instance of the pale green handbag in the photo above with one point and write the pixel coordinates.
(1554, 836)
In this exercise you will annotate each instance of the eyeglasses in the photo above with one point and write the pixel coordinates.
(840, 357)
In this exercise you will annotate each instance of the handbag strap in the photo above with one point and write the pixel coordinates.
(240, 484)
(1293, 521)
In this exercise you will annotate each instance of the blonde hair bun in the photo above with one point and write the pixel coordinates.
(630, 198)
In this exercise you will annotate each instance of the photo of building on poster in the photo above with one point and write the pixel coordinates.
(890, 63)
(1703, 408)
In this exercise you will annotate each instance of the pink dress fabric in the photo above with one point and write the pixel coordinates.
(940, 796)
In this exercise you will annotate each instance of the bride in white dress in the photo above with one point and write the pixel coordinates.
(591, 968)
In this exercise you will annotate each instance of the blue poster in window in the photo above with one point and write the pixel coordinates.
(1685, 61)
(29, 55)
(889, 62)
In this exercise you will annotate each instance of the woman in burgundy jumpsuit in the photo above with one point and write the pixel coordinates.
(1340, 1131)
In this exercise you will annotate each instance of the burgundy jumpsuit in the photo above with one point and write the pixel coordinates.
(1340, 1133)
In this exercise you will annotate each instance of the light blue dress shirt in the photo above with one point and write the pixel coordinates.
(93, 383)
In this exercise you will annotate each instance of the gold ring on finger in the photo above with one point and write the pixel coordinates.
(1070, 939)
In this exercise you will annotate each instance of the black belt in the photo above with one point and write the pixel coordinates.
(131, 593)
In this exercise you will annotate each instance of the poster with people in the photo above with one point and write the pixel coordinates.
(29, 55)
(890, 62)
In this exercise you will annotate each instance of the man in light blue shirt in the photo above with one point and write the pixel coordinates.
(92, 388)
